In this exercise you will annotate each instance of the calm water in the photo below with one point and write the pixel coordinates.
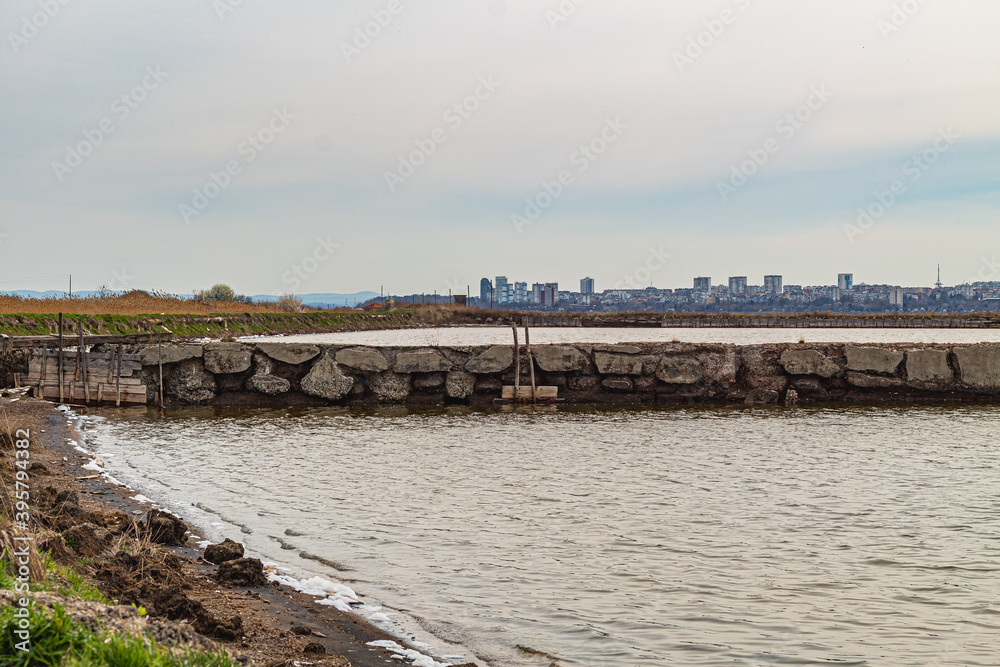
(542, 336)
(618, 538)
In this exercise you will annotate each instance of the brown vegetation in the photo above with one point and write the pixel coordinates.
(130, 303)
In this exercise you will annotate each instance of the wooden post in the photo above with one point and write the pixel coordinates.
(517, 364)
(118, 377)
(76, 372)
(60, 360)
(84, 374)
(531, 362)
(45, 363)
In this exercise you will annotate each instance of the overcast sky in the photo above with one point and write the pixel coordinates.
(658, 139)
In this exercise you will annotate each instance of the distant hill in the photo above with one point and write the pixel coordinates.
(325, 300)
(320, 300)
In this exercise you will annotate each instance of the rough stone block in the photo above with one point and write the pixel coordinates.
(873, 359)
(269, 384)
(618, 364)
(289, 353)
(364, 359)
(172, 354)
(808, 362)
(493, 360)
(560, 359)
(421, 361)
(226, 358)
(979, 367)
(619, 383)
(390, 387)
(679, 370)
(460, 384)
(928, 367)
(326, 380)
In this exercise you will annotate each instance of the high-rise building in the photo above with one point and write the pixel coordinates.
(896, 297)
(845, 281)
(703, 284)
(738, 285)
(587, 286)
(536, 293)
(521, 294)
(550, 294)
(772, 284)
(502, 290)
(485, 287)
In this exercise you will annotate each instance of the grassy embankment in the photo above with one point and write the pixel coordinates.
(57, 637)
(138, 313)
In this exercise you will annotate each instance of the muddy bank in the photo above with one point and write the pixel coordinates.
(295, 374)
(157, 581)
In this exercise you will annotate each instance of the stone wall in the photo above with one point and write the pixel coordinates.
(291, 374)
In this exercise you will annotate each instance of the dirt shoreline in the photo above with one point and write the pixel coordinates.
(267, 623)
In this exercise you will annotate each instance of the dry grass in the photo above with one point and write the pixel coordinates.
(130, 303)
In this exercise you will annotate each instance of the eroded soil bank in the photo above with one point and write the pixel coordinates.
(152, 577)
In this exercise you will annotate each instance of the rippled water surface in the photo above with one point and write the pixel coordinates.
(688, 537)
(553, 335)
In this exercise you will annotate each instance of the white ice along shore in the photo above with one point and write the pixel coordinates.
(329, 593)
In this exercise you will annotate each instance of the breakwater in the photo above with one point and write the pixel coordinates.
(296, 374)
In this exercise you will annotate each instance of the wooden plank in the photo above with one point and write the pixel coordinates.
(524, 393)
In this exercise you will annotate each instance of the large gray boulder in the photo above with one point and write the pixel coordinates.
(808, 362)
(493, 360)
(873, 359)
(263, 381)
(189, 382)
(326, 380)
(364, 359)
(560, 359)
(271, 385)
(460, 384)
(679, 370)
(421, 361)
(226, 358)
(289, 353)
(979, 367)
(618, 364)
(928, 367)
(172, 354)
(390, 387)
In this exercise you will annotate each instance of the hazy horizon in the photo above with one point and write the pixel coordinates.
(290, 123)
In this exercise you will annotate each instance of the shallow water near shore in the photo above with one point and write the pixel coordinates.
(448, 336)
(861, 536)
